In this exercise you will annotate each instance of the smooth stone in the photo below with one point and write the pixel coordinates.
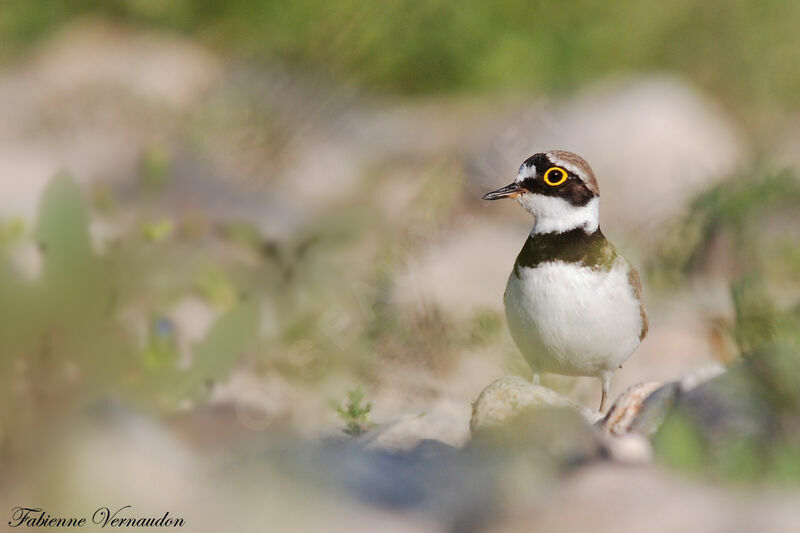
(631, 448)
(508, 397)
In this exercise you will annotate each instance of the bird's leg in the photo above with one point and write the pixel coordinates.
(606, 385)
(535, 378)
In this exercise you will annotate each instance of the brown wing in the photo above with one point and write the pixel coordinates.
(636, 283)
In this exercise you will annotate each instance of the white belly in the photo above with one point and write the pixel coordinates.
(573, 320)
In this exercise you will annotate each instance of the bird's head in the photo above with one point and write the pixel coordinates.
(559, 189)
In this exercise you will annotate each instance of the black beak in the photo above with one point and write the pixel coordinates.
(509, 191)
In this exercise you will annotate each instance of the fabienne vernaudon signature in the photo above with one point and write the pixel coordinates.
(103, 517)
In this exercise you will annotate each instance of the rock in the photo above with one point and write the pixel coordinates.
(631, 448)
(627, 407)
(260, 401)
(508, 397)
(154, 462)
(440, 273)
(605, 498)
(695, 378)
(654, 410)
(89, 102)
(552, 440)
(727, 407)
(546, 433)
(643, 407)
(160, 67)
(445, 421)
(723, 409)
(455, 487)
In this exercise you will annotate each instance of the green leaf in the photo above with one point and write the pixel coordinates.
(216, 355)
(62, 230)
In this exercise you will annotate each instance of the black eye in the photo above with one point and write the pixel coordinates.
(555, 176)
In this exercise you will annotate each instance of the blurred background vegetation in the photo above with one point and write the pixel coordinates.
(260, 250)
(740, 50)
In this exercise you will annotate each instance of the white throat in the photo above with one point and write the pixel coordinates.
(556, 215)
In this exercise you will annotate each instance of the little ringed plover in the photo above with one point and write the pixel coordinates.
(573, 303)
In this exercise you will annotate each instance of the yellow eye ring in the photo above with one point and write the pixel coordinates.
(561, 176)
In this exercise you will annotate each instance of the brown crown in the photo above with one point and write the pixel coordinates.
(585, 171)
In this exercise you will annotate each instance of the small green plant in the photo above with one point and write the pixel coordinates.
(157, 231)
(155, 169)
(354, 413)
(11, 231)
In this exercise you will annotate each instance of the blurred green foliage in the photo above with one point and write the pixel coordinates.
(69, 336)
(740, 50)
(486, 326)
(753, 431)
(215, 356)
(744, 213)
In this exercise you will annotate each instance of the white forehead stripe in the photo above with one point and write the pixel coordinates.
(569, 166)
(526, 171)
